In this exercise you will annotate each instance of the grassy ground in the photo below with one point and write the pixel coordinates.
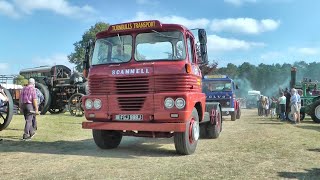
(250, 148)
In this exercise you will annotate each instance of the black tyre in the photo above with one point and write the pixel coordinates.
(105, 139)
(186, 142)
(302, 116)
(215, 127)
(75, 105)
(233, 116)
(315, 111)
(6, 111)
(45, 105)
(238, 113)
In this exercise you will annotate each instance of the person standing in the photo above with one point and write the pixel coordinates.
(28, 103)
(40, 99)
(294, 105)
(282, 103)
(299, 93)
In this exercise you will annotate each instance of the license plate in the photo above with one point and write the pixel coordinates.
(129, 117)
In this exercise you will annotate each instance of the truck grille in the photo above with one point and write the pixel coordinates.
(174, 83)
(100, 85)
(129, 85)
(131, 103)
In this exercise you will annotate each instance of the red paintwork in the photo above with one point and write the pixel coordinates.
(160, 79)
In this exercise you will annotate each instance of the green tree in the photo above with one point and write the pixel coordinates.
(77, 56)
(20, 80)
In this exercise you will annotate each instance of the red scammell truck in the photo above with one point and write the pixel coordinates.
(144, 81)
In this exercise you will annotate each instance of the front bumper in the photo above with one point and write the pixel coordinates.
(135, 126)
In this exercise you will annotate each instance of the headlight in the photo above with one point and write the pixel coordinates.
(228, 103)
(97, 103)
(88, 104)
(180, 103)
(169, 103)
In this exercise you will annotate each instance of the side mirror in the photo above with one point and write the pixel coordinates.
(86, 62)
(202, 35)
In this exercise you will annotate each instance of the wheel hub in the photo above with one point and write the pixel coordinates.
(195, 131)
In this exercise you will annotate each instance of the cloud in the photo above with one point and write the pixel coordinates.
(219, 44)
(244, 25)
(308, 51)
(239, 2)
(189, 23)
(22, 7)
(8, 9)
(56, 59)
(147, 2)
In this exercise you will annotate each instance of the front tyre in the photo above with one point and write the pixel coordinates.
(105, 139)
(186, 142)
(238, 113)
(215, 127)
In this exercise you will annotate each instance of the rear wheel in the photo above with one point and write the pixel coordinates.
(238, 113)
(56, 111)
(302, 116)
(186, 142)
(6, 110)
(233, 116)
(315, 111)
(45, 105)
(106, 139)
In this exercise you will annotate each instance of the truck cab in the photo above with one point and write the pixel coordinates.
(144, 81)
(222, 89)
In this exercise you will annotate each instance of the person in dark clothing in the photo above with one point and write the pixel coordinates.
(288, 96)
(28, 104)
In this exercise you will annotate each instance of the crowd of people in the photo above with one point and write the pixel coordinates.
(287, 104)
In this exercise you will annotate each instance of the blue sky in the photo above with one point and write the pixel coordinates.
(42, 32)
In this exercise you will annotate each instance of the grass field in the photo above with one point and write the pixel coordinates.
(250, 148)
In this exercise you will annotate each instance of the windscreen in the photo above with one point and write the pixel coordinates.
(211, 86)
(167, 45)
(117, 49)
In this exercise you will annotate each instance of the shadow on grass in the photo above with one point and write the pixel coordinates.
(129, 147)
(313, 173)
(316, 128)
(314, 150)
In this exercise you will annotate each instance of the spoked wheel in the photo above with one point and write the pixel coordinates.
(186, 142)
(75, 105)
(6, 110)
(56, 111)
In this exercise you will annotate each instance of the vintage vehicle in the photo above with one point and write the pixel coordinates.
(222, 89)
(252, 99)
(144, 81)
(310, 97)
(60, 88)
(6, 108)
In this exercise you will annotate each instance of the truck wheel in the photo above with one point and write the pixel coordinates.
(105, 139)
(214, 128)
(233, 116)
(186, 142)
(315, 111)
(6, 111)
(45, 105)
(238, 113)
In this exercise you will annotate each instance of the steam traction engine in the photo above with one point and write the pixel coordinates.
(60, 88)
